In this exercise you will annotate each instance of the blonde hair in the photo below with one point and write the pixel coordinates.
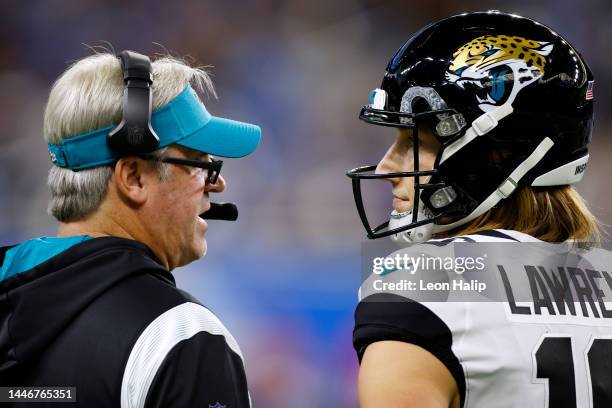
(551, 214)
(87, 96)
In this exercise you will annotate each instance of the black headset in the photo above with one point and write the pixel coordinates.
(134, 134)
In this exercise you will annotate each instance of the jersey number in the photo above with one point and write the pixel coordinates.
(555, 362)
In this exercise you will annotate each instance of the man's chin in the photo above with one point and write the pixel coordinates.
(404, 207)
(204, 249)
(193, 253)
(401, 206)
(199, 249)
(200, 246)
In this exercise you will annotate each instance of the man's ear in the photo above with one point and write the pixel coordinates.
(132, 179)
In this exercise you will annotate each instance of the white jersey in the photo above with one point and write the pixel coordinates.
(548, 344)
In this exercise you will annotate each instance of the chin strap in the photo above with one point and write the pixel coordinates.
(480, 126)
(506, 188)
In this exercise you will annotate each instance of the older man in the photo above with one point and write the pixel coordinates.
(96, 308)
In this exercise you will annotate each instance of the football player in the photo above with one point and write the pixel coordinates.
(494, 113)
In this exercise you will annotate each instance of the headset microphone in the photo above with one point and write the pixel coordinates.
(221, 211)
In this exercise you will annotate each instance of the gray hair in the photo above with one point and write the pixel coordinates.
(87, 97)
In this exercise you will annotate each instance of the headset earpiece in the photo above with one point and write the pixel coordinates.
(134, 134)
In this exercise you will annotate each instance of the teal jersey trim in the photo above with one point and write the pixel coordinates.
(33, 252)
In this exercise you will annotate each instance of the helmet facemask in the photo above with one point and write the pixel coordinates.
(415, 224)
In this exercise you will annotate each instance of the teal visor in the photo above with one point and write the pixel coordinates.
(183, 121)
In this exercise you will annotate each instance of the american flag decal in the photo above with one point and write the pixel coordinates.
(589, 92)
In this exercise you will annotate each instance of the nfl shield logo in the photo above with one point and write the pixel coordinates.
(135, 134)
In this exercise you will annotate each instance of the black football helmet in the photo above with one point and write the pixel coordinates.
(483, 82)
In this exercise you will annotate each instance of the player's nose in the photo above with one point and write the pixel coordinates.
(390, 163)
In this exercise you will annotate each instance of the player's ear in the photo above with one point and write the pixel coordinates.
(132, 179)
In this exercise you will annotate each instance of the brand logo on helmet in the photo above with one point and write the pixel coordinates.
(498, 67)
(580, 169)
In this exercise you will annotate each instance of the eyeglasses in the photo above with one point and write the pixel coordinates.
(213, 166)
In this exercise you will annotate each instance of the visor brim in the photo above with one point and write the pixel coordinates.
(224, 138)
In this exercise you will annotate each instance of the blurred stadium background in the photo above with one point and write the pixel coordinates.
(284, 277)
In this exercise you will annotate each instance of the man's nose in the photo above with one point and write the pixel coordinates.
(389, 164)
(384, 166)
(218, 187)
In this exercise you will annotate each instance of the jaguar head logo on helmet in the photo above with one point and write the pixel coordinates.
(499, 65)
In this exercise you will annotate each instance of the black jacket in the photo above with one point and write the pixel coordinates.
(105, 317)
